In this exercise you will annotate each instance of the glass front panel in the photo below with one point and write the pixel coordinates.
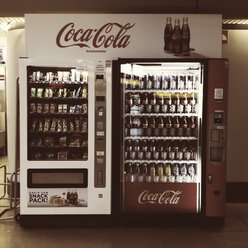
(57, 113)
(162, 111)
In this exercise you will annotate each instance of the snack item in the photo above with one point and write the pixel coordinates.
(74, 141)
(39, 107)
(34, 125)
(65, 125)
(32, 107)
(33, 92)
(47, 124)
(54, 125)
(77, 123)
(38, 156)
(40, 128)
(64, 108)
(59, 129)
(78, 92)
(46, 93)
(85, 75)
(62, 155)
(49, 141)
(49, 156)
(50, 93)
(62, 141)
(79, 109)
(61, 91)
(84, 126)
(39, 142)
(72, 126)
(46, 108)
(72, 109)
(65, 92)
(39, 92)
(53, 108)
(84, 108)
(60, 108)
(84, 92)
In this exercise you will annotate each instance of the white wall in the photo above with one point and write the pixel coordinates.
(237, 157)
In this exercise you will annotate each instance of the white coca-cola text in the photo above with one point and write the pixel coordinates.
(167, 197)
(110, 34)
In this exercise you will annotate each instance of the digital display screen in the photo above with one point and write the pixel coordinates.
(57, 178)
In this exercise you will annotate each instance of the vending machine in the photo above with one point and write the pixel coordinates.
(65, 140)
(171, 132)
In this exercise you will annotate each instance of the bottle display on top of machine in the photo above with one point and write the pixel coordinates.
(58, 114)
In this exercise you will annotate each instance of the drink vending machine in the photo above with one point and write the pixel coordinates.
(172, 129)
(65, 140)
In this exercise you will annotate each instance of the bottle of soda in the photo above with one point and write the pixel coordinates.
(144, 126)
(128, 172)
(180, 106)
(152, 124)
(163, 152)
(174, 82)
(192, 126)
(149, 106)
(137, 172)
(168, 46)
(128, 101)
(160, 170)
(173, 106)
(143, 173)
(150, 82)
(168, 125)
(182, 82)
(153, 172)
(128, 125)
(185, 37)
(166, 82)
(193, 103)
(156, 107)
(172, 153)
(177, 38)
(168, 172)
(175, 170)
(141, 85)
(176, 124)
(144, 102)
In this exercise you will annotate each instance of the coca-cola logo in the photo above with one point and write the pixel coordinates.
(170, 197)
(109, 35)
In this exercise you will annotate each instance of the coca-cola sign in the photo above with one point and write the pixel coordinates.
(170, 197)
(111, 34)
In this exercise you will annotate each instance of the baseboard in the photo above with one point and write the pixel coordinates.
(237, 192)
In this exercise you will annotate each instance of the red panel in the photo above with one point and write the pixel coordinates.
(215, 185)
(160, 197)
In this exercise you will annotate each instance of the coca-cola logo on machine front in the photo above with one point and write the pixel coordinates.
(113, 35)
(169, 197)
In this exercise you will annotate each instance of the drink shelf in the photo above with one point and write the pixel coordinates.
(163, 114)
(159, 137)
(161, 91)
(162, 161)
(55, 84)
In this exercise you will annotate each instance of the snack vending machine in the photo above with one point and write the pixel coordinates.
(65, 139)
(172, 121)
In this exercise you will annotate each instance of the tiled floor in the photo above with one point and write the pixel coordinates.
(233, 234)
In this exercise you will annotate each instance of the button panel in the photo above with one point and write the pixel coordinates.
(100, 127)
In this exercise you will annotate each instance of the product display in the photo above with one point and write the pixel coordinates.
(58, 105)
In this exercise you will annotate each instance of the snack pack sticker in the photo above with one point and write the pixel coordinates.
(57, 198)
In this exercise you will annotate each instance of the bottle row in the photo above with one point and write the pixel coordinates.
(161, 126)
(138, 103)
(160, 150)
(169, 81)
(81, 92)
(54, 108)
(72, 125)
(167, 172)
(57, 142)
(64, 154)
(72, 76)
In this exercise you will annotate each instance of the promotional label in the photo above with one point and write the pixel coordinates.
(160, 197)
(57, 197)
(110, 36)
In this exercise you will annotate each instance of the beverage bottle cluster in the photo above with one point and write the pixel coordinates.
(141, 103)
(168, 81)
(177, 40)
(160, 150)
(161, 126)
(161, 172)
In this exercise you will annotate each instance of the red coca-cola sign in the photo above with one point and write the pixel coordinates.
(111, 34)
(160, 197)
(167, 197)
